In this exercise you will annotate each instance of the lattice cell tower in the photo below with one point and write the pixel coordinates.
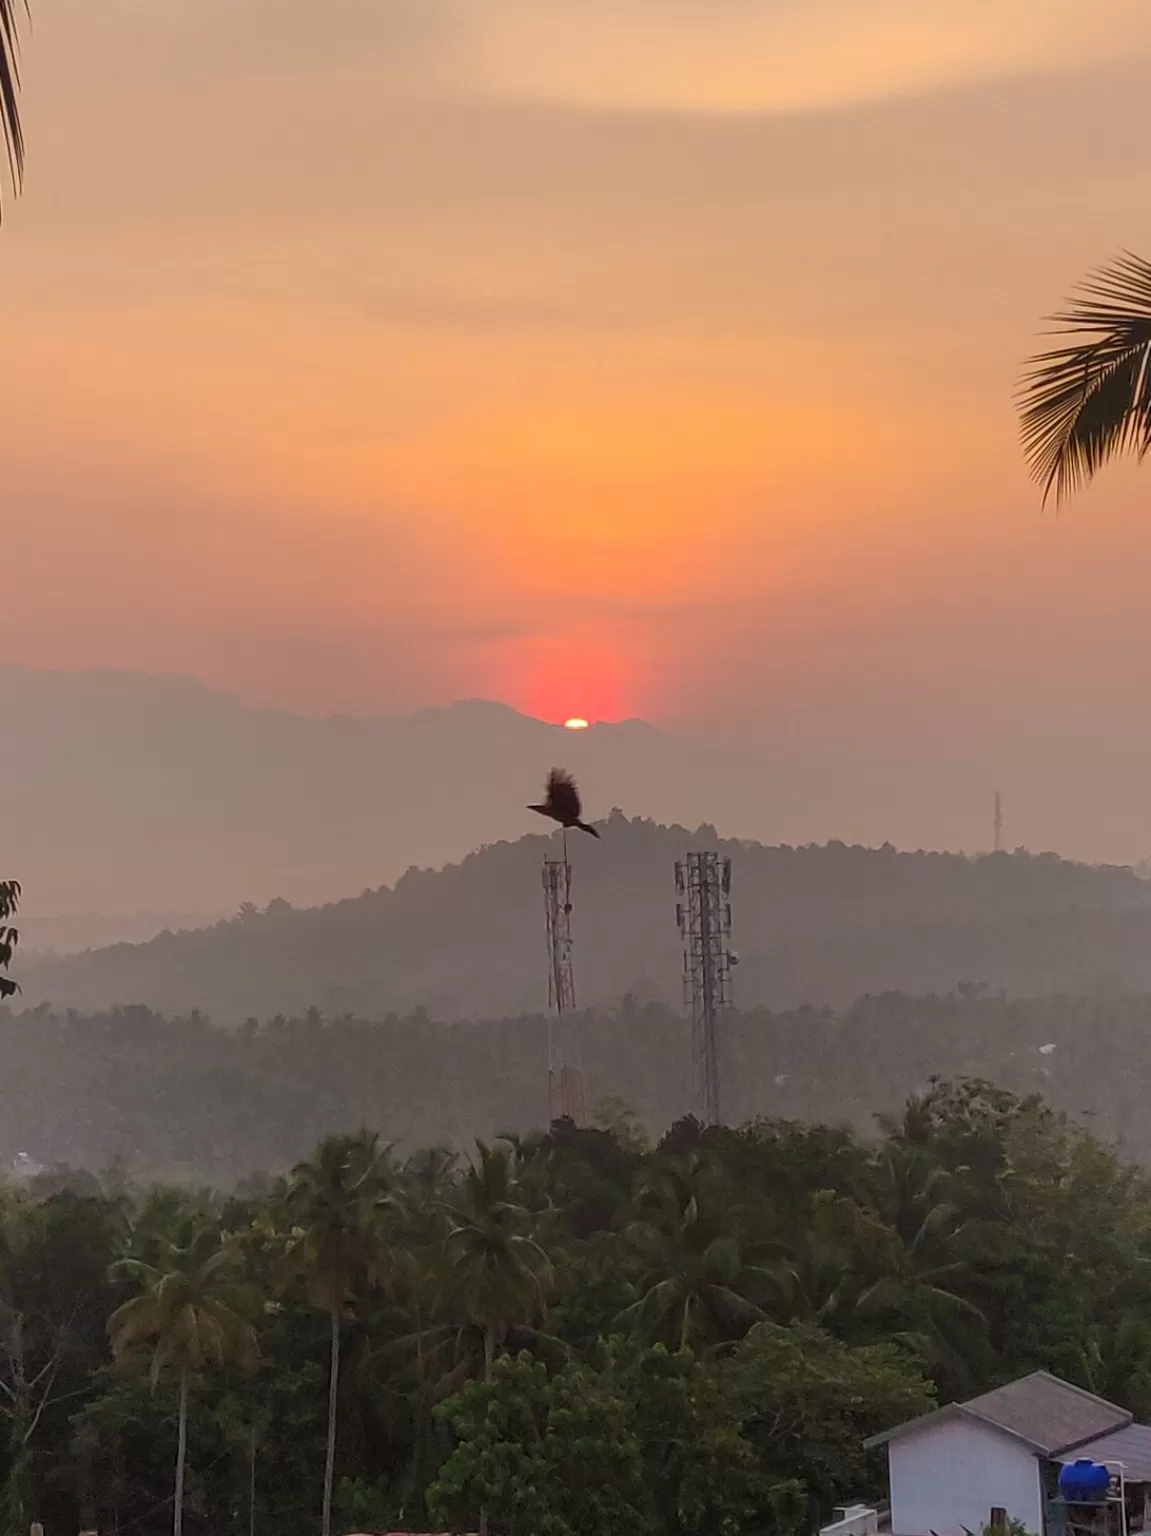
(566, 1096)
(703, 885)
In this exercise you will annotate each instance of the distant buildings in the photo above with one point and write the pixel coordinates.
(24, 1168)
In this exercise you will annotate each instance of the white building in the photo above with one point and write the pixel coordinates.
(997, 1457)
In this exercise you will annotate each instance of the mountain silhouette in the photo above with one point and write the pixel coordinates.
(819, 925)
(127, 794)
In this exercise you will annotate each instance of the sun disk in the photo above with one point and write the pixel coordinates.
(575, 725)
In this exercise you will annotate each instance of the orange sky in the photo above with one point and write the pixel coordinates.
(606, 356)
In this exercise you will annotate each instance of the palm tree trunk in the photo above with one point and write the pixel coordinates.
(489, 1372)
(330, 1462)
(421, 1450)
(181, 1457)
(489, 1351)
(252, 1485)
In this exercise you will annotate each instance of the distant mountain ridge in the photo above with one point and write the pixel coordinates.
(128, 793)
(819, 925)
(68, 933)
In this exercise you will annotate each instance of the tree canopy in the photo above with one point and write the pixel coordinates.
(182, 1098)
(497, 1348)
(817, 924)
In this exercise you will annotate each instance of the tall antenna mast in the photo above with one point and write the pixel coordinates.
(998, 822)
(566, 1097)
(703, 911)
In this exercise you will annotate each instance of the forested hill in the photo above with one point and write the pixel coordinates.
(820, 925)
(184, 1098)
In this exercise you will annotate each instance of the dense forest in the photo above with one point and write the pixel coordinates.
(577, 1332)
(182, 1098)
(819, 925)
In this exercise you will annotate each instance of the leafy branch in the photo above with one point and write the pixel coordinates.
(9, 937)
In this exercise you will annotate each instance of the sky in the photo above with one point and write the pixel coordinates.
(606, 357)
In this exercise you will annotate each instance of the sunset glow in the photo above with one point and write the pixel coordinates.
(575, 725)
(564, 393)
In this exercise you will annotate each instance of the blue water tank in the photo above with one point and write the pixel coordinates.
(1083, 1482)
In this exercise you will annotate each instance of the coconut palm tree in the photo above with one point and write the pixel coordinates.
(1089, 399)
(10, 129)
(494, 1265)
(337, 1203)
(695, 1282)
(439, 1337)
(192, 1309)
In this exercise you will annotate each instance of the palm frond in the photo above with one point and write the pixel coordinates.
(1090, 400)
(733, 1307)
(10, 128)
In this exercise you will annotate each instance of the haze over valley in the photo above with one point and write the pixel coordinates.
(159, 794)
(152, 802)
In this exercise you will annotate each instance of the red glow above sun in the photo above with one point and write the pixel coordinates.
(571, 681)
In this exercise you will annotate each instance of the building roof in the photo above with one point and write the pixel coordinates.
(1047, 1414)
(1130, 1446)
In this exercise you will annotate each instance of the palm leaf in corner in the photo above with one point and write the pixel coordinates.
(10, 129)
(1089, 400)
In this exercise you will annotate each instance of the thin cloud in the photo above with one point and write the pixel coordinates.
(784, 55)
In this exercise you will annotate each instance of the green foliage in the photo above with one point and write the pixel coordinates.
(9, 889)
(634, 1441)
(699, 1468)
(337, 1201)
(119, 1460)
(189, 1309)
(19, 1489)
(819, 926)
(363, 1506)
(808, 1401)
(612, 1114)
(494, 1264)
(54, 1299)
(333, 1203)
(544, 1456)
(696, 1285)
(505, 1332)
(181, 1101)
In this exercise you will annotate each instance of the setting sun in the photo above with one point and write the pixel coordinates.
(575, 725)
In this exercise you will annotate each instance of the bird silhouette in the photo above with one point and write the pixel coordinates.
(563, 802)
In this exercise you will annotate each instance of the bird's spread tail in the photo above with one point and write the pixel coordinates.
(583, 826)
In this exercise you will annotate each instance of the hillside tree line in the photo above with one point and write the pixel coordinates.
(572, 1332)
(182, 1098)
